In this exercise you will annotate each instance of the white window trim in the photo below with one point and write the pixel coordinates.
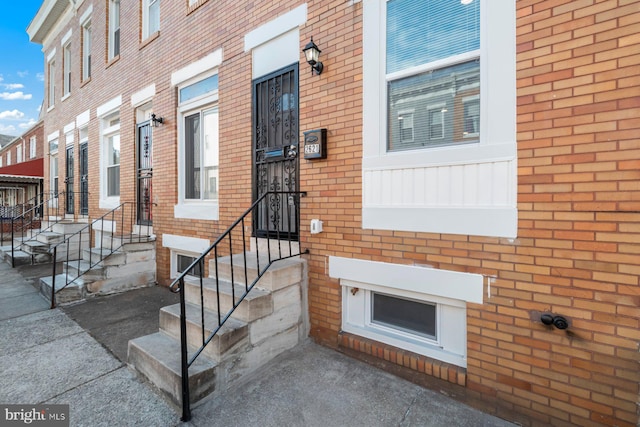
(33, 147)
(146, 4)
(51, 80)
(450, 290)
(413, 128)
(103, 111)
(183, 245)
(86, 45)
(66, 69)
(193, 209)
(112, 30)
(497, 140)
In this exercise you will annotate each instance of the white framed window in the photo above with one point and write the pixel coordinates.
(51, 82)
(419, 73)
(86, 49)
(110, 161)
(66, 70)
(114, 29)
(184, 250)
(405, 126)
(150, 18)
(8, 158)
(471, 116)
(32, 147)
(19, 154)
(439, 59)
(419, 309)
(198, 151)
(1, 159)
(53, 171)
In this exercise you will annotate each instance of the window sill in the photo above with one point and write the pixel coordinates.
(85, 82)
(146, 42)
(64, 98)
(51, 108)
(202, 210)
(109, 203)
(112, 61)
(196, 5)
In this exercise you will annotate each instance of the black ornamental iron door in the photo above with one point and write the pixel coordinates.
(275, 145)
(144, 173)
(84, 179)
(69, 200)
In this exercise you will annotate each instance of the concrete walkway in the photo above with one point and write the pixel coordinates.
(75, 355)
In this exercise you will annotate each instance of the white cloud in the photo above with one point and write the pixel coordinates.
(13, 86)
(1, 79)
(12, 96)
(22, 74)
(12, 115)
(7, 130)
(40, 76)
(27, 125)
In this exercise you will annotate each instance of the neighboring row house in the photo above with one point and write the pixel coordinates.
(21, 171)
(481, 182)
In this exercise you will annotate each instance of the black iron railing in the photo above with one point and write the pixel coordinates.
(110, 232)
(50, 209)
(283, 210)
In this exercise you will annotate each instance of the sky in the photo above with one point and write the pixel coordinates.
(21, 68)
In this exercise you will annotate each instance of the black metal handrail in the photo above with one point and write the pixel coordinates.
(126, 214)
(269, 208)
(31, 219)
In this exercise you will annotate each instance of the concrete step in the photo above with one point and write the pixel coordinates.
(256, 305)
(127, 243)
(232, 334)
(34, 247)
(50, 237)
(281, 274)
(81, 268)
(67, 227)
(116, 258)
(75, 291)
(157, 357)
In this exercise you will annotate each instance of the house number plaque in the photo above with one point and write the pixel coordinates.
(315, 144)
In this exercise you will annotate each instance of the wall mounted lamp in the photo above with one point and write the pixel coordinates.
(312, 53)
(156, 121)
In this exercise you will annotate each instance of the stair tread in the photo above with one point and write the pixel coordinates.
(224, 287)
(210, 317)
(253, 260)
(166, 350)
(61, 279)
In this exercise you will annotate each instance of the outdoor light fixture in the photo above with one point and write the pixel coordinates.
(312, 53)
(156, 121)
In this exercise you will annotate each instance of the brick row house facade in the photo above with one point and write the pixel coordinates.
(479, 197)
(21, 171)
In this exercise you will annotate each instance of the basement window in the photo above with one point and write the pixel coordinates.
(183, 263)
(404, 315)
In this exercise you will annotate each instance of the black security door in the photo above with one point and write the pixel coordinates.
(84, 179)
(144, 173)
(69, 181)
(275, 142)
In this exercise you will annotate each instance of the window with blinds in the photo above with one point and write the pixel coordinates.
(432, 70)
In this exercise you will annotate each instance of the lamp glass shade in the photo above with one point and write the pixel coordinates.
(311, 52)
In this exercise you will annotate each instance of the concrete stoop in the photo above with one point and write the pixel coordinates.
(269, 321)
(35, 247)
(100, 272)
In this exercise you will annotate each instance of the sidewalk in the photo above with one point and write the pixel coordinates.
(77, 356)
